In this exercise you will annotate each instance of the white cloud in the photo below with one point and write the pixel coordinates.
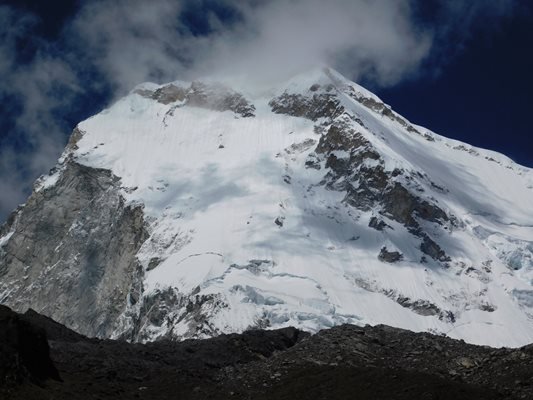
(130, 41)
(36, 92)
(373, 38)
(125, 42)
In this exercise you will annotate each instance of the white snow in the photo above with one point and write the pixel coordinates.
(46, 181)
(4, 239)
(212, 210)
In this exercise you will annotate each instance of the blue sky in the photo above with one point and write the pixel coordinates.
(460, 68)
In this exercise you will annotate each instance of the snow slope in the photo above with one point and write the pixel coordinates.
(239, 221)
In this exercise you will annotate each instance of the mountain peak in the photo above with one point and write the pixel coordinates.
(301, 82)
(322, 75)
(192, 209)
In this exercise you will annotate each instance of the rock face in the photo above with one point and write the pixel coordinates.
(314, 107)
(71, 252)
(389, 256)
(24, 352)
(339, 363)
(189, 210)
(214, 97)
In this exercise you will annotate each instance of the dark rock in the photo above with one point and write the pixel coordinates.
(312, 161)
(24, 352)
(377, 224)
(368, 185)
(219, 98)
(377, 362)
(154, 310)
(75, 137)
(432, 249)
(153, 264)
(300, 147)
(319, 105)
(211, 96)
(403, 206)
(341, 137)
(421, 307)
(54, 330)
(389, 256)
(359, 170)
(487, 307)
(170, 94)
(386, 111)
(447, 316)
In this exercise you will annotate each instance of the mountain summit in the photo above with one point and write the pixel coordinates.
(187, 210)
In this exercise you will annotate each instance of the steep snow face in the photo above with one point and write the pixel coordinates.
(310, 205)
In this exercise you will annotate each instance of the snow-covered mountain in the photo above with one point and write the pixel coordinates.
(190, 209)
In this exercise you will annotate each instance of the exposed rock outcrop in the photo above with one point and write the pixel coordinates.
(377, 224)
(212, 96)
(314, 107)
(389, 256)
(371, 362)
(24, 352)
(71, 253)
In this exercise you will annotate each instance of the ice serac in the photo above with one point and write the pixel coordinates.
(191, 209)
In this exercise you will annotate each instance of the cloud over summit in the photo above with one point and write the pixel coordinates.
(106, 47)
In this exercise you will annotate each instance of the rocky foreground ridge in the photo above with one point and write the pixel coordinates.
(344, 362)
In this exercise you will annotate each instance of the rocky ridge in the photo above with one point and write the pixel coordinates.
(340, 363)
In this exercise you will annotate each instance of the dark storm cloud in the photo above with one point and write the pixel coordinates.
(107, 47)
